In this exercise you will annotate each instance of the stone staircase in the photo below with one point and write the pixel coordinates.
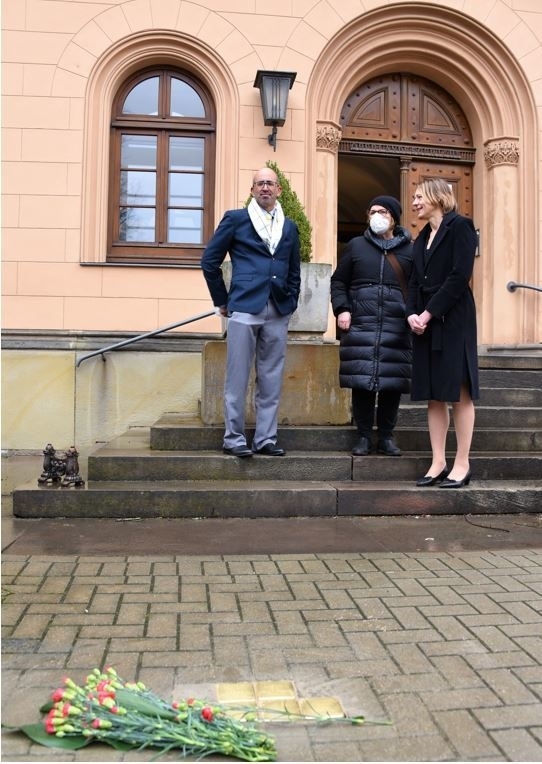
(176, 468)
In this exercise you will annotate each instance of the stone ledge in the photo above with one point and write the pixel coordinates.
(510, 356)
(310, 393)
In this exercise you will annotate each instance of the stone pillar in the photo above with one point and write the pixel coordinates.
(501, 255)
(328, 137)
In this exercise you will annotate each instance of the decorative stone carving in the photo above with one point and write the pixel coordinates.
(410, 150)
(501, 151)
(328, 137)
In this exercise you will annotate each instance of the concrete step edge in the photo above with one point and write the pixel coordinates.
(280, 486)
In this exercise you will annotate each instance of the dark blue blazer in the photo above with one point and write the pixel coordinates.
(257, 275)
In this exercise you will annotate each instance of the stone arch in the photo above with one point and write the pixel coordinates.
(120, 60)
(467, 60)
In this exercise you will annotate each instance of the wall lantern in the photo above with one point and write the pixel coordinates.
(274, 87)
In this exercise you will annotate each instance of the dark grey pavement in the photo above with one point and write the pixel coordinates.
(432, 623)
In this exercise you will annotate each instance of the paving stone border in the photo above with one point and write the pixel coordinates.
(447, 646)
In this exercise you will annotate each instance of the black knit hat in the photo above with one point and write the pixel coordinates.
(391, 204)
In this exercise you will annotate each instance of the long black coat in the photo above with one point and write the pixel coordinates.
(375, 353)
(446, 355)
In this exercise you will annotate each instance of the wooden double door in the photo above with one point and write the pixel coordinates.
(398, 129)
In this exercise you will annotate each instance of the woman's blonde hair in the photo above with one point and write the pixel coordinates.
(439, 192)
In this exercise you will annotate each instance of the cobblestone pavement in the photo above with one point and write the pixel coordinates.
(443, 641)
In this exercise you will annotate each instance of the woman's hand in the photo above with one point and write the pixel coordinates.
(415, 324)
(425, 317)
(344, 320)
(418, 322)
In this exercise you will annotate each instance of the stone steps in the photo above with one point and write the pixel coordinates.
(111, 464)
(518, 396)
(176, 468)
(127, 479)
(274, 498)
(176, 433)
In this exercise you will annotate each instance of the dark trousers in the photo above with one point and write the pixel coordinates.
(363, 410)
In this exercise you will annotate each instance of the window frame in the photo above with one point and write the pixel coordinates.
(164, 127)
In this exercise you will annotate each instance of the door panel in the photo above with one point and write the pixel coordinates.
(458, 176)
(404, 108)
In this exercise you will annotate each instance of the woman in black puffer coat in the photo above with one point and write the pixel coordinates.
(367, 297)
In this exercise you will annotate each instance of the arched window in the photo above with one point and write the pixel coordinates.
(162, 160)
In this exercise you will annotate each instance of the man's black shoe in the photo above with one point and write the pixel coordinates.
(242, 451)
(270, 449)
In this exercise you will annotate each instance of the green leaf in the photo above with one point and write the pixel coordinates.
(134, 702)
(37, 733)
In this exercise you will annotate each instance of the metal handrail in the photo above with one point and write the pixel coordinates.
(132, 340)
(512, 286)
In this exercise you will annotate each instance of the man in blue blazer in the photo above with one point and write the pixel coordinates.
(263, 246)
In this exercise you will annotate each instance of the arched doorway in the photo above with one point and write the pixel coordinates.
(398, 129)
(470, 62)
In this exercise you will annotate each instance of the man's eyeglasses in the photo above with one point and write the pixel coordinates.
(262, 183)
(378, 212)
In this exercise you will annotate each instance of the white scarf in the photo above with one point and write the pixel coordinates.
(268, 225)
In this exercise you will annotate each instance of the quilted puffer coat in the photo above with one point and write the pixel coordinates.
(375, 353)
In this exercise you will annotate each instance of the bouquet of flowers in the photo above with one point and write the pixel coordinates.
(128, 716)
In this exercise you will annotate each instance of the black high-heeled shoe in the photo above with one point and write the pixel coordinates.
(456, 483)
(428, 480)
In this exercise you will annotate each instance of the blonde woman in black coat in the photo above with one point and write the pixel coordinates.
(442, 316)
(368, 300)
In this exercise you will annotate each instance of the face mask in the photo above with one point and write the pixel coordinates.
(378, 223)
